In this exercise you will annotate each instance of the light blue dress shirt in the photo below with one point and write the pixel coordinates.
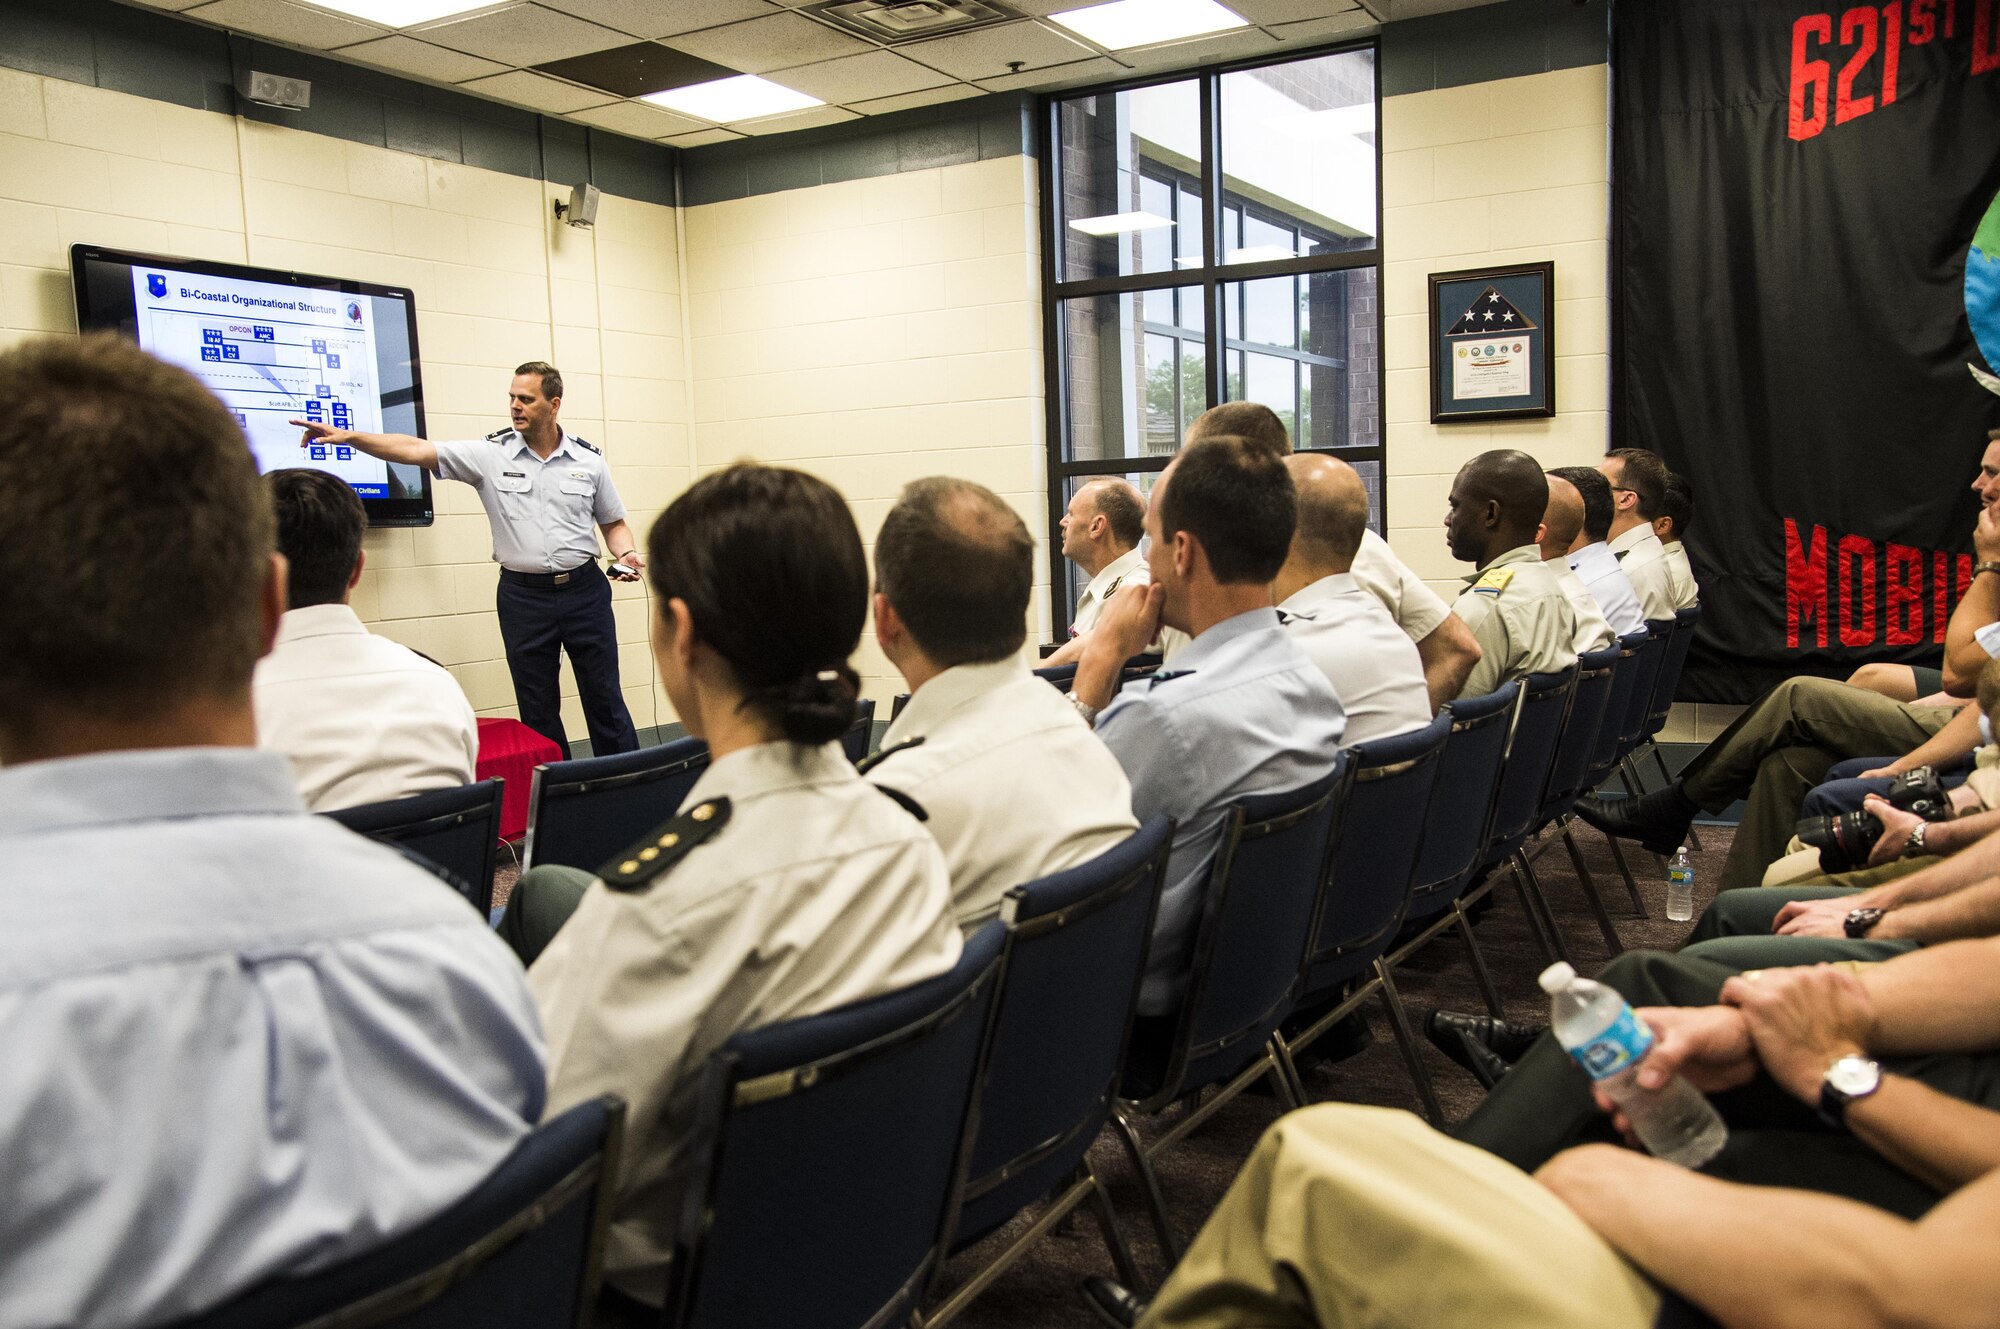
(1241, 710)
(240, 1041)
(543, 511)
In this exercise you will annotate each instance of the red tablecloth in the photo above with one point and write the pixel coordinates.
(510, 751)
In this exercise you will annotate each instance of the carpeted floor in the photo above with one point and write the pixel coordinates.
(1040, 1291)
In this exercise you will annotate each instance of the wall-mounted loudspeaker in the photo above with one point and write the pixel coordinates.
(581, 210)
(274, 89)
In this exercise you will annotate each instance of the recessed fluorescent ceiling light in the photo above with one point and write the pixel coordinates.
(744, 97)
(1119, 223)
(400, 13)
(1124, 23)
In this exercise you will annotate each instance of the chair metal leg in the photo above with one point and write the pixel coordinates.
(1631, 886)
(1632, 789)
(1290, 1085)
(1156, 1203)
(1537, 905)
(1591, 894)
(1107, 1222)
(1487, 992)
(1399, 1021)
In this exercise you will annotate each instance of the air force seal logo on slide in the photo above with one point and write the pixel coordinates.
(1982, 294)
(156, 284)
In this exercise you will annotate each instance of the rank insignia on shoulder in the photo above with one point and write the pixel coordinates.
(501, 435)
(904, 801)
(1494, 581)
(586, 445)
(665, 846)
(1167, 676)
(874, 759)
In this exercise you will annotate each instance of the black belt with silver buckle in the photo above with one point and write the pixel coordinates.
(547, 579)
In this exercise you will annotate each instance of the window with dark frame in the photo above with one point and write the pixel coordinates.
(1207, 237)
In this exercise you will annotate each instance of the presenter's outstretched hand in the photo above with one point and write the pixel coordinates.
(316, 432)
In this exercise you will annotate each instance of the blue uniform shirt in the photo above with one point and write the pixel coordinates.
(1241, 710)
(543, 512)
(241, 1041)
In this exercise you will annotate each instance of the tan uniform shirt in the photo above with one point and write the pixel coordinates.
(1643, 560)
(1593, 631)
(1416, 607)
(1016, 784)
(1521, 619)
(1371, 662)
(818, 891)
(1686, 592)
(1102, 587)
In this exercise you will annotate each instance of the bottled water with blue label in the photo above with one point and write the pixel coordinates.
(1596, 1027)
(1680, 887)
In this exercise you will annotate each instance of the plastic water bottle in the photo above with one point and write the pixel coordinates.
(1595, 1026)
(1680, 887)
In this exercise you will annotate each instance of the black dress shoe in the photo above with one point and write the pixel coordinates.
(1111, 1302)
(1658, 820)
(1481, 1044)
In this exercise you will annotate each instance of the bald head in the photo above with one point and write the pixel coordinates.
(1562, 520)
(1243, 419)
(1497, 501)
(1333, 512)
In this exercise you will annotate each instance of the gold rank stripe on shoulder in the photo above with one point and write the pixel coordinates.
(870, 762)
(665, 846)
(1495, 581)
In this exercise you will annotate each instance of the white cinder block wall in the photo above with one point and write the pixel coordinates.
(873, 332)
(498, 281)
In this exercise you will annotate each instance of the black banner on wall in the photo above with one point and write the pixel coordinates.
(1806, 245)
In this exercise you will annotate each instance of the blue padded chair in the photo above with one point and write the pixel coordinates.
(860, 735)
(525, 1247)
(1258, 907)
(829, 1154)
(1468, 782)
(1631, 698)
(1538, 727)
(1367, 892)
(1672, 663)
(1589, 705)
(1077, 953)
(896, 706)
(582, 812)
(1060, 677)
(454, 831)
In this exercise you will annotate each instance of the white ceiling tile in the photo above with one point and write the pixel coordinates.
(785, 124)
(1289, 11)
(1202, 50)
(860, 77)
(523, 32)
(538, 92)
(1319, 30)
(987, 52)
(639, 121)
(1097, 69)
(703, 138)
(282, 21)
(407, 55)
(950, 92)
(662, 18)
(763, 44)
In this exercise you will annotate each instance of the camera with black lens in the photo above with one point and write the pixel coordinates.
(1845, 839)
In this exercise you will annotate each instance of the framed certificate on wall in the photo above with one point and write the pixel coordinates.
(1493, 342)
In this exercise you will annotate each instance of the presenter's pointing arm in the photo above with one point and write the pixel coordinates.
(407, 449)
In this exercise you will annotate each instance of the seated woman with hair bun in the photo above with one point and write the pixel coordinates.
(787, 884)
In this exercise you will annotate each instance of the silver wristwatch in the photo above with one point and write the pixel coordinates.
(1852, 1077)
(1914, 845)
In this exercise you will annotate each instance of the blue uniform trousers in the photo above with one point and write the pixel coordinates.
(540, 618)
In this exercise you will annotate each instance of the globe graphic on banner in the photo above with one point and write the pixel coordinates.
(1982, 287)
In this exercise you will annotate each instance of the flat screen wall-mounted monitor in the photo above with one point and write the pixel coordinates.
(276, 347)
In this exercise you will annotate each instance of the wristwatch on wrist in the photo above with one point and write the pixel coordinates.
(1852, 1077)
(1914, 845)
(1860, 922)
(1991, 565)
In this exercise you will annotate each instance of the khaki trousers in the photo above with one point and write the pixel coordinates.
(1776, 751)
(1366, 1217)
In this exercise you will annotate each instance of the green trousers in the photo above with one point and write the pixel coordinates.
(1776, 751)
(1736, 931)
(1544, 1105)
(542, 902)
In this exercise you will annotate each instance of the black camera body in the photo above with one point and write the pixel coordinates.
(1845, 839)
